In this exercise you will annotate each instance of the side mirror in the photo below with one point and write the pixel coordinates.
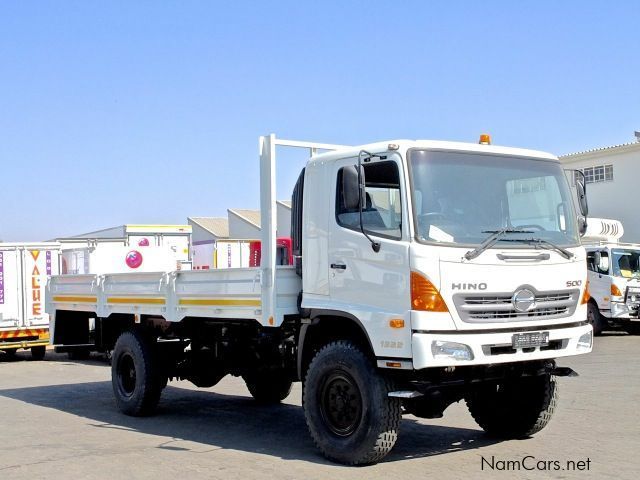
(602, 261)
(582, 225)
(351, 187)
(581, 190)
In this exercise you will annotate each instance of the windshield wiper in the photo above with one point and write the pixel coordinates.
(491, 239)
(549, 246)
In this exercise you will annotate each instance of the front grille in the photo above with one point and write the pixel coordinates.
(484, 308)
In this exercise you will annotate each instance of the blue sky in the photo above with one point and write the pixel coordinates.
(149, 112)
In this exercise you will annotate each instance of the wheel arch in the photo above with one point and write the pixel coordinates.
(327, 326)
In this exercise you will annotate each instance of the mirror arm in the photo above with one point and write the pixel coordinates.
(362, 198)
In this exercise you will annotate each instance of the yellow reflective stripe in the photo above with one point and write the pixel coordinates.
(74, 298)
(130, 300)
(220, 302)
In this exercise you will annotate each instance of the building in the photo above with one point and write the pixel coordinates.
(612, 179)
(245, 224)
(208, 229)
(219, 242)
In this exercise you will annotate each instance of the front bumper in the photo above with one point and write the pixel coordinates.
(495, 347)
(622, 311)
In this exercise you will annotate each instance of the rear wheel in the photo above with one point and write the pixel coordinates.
(268, 387)
(349, 414)
(11, 352)
(38, 353)
(135, 378)
(515, 408)
(595, 318)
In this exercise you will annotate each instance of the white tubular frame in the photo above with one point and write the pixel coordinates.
(268, 220)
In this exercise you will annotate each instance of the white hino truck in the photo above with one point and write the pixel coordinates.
(613, 269)
(425, 273)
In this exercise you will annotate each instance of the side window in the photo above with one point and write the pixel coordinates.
(591, 261)
(382, 213)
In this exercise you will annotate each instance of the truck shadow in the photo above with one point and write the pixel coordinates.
(231, 422)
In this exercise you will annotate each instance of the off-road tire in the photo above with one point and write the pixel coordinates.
(268, 387)
(135, 377)
(38, 353)
(595, 318)
(343, 368)
(517, 408)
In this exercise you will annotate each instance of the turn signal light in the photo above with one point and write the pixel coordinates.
(396, 323)
(586, 295)
(615, 291)
(425, 296)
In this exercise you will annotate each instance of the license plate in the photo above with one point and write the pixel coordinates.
(532, 339)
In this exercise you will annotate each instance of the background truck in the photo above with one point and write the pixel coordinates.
(424, 273)
(614, 277)
(231, 253)
(24, 268)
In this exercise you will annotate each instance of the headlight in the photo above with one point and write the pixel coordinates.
(454, 350)
(585, 341)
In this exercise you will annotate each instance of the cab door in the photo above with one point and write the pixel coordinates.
(372, 286)
(599, 279)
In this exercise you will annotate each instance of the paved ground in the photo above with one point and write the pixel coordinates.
(58, 419)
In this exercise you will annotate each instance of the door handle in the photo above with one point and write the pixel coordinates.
(338, 266)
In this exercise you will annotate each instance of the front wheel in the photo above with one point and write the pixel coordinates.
(515, 408)
(595, 318)
(135, 378)
(349, 414)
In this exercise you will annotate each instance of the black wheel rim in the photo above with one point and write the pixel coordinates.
(126, 375)
(341, 403)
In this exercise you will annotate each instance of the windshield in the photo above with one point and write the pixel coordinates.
(626, 263)
(460, 197)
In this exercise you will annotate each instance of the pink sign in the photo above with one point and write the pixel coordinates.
(133, 259)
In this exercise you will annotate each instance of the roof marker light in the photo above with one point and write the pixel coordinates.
(485, 139)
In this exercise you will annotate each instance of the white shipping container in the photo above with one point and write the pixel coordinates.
(202, 256)
(115, 258)
(177, 238)
(24, 269)
(232, 254)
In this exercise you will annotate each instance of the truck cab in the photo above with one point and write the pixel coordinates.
(415, 252)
